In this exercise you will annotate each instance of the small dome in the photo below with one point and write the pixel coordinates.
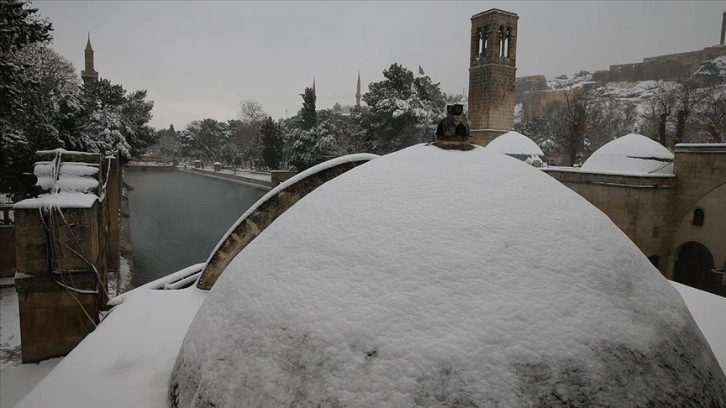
(433, 277)
(514, 143)
(631, 154)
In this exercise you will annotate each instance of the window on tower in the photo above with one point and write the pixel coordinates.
(502, 42)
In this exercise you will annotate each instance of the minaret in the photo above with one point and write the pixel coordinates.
(314, 92)
(89, 74)
(357, 93)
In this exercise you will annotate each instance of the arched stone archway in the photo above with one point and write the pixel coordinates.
(693, 268)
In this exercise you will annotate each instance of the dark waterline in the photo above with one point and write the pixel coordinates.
(177, 218)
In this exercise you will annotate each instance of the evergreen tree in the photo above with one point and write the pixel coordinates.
(20, 27)
(272, 143)
(308, 115)
(112, 120)
(402, 110)
(207, 138)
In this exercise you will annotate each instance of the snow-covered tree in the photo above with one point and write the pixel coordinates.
(403, 110)
(308, 116)
(206, 139)
(112, 120)
(272, 143)
(21, 27)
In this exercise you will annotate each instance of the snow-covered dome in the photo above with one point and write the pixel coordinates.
(434, 278)
(631, 154)
(514, 143)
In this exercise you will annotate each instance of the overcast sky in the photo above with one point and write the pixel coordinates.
(200, 59)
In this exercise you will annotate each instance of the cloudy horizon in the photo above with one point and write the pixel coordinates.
(200, 59)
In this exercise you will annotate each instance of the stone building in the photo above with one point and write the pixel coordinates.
(672, 206)
(675, 211)
(492, 74)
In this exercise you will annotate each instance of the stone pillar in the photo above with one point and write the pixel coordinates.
(53, 319)
(57, 250)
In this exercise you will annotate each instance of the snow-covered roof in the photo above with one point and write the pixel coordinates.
(430, 276)
(631, 154)
(514, 143)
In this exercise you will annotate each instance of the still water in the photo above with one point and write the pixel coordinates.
(177, 218)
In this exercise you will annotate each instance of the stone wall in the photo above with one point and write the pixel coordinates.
(31, 246)
(656, 213)
(529, 84)
(712, 234)
(669, 67)
(640, 206)
(536, 102)
(52, 322)
(700, 168)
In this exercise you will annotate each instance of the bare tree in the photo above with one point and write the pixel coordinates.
(688, 98)
(245, 131)
(579, 114)
(251, 112)
(710, 116)
(662, 104)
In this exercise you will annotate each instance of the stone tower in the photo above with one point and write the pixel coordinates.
(357, 92)
(492, 74)
(89, 74)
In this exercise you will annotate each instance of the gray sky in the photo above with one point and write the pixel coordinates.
(200, 59)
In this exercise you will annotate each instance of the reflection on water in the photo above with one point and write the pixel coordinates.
(177, 218)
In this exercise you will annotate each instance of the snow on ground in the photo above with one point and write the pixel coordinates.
(16, 379)
(9, 329)
(16, 382)
(709, 312)
(431, 277)
(127, 360)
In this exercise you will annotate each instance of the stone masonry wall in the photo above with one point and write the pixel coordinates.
(640, 206)
(492, 76)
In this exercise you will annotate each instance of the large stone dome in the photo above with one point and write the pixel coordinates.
(631, 154)
(515, 143)
(442, 278)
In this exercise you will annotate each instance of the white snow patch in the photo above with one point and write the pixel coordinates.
(709, 312)
(58, 200)
(127, 360)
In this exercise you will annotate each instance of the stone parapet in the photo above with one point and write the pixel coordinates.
(53, 319)
(234, 177)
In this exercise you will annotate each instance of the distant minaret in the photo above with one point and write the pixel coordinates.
(723, 27)
(314, 92)
(357, 93)
(89, 74)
